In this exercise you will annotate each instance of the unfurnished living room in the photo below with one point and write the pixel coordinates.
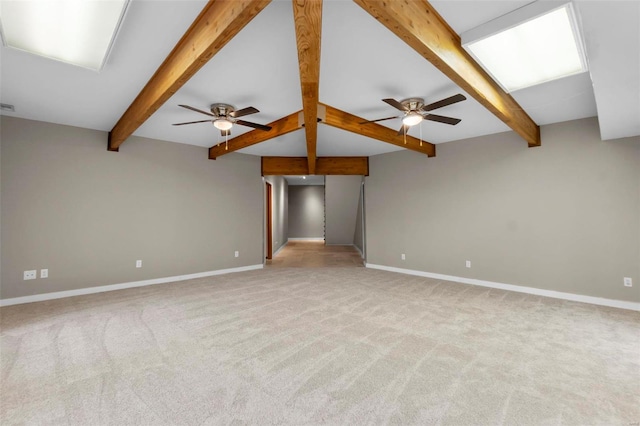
(308, 212)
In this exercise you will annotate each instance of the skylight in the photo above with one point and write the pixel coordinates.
(540, 46)
(78, 32)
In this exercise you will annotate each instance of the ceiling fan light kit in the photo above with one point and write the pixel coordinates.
(411, 119)
(222, 124)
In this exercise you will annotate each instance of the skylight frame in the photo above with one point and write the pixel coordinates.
(516, 18)
(107, 52)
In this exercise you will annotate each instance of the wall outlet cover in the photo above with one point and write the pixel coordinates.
(628, 282)
(44, 273)
(468, 264)
(30, 275)
(138, 263)
(237, 254)
(403, 257)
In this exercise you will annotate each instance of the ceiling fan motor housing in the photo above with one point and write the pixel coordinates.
(222, 110)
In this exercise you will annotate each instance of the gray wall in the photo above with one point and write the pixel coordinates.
(563, 216)
(341, 203)
(358, 235)
(306, 211)
(280, 211)
(87, 214)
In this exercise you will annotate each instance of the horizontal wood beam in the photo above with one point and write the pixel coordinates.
(324, 166)
(219, 22)
(419, 25)
(307, 16)
(349, 122)
(278, 128)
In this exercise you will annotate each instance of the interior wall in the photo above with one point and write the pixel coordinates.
(306, 211)
(280, 213)
(86, 214)
(563, 216)
(358, 235)
(341, 203)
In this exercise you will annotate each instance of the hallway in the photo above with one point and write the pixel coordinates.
(313, 254)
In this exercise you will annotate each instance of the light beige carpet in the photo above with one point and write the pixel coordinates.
(318, 346)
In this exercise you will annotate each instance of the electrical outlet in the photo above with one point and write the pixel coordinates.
(468, 264)
(138, 263)
(403, 257)
(237, 253)
(628, 282)
(30, 275)
(44, 273)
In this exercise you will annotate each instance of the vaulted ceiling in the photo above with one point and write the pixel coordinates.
(361, 62)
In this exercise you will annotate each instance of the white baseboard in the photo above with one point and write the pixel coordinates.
(359, 251)
(307, 239)
(517, 288)
(112, 287)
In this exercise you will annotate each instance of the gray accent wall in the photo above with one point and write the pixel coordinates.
(86, 214)
(341, 203)
(280, 213)
(564, 216)
(306, 211)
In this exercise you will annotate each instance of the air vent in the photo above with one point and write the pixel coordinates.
(7, 107)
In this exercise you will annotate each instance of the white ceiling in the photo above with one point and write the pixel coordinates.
(361, 63)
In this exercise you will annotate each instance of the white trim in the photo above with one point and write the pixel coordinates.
(112, 287)
(634, 306)
(307, 239)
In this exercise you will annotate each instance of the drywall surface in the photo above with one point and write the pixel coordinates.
(280, 210)
(87, 215)
(306, 211)
(358, 235)
(341, 204)
(563, 216)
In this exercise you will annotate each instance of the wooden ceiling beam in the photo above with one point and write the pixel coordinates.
(307, 16)
(349, 122)
(219, 22)
(324, 166)
(279, 127)
(419, 25)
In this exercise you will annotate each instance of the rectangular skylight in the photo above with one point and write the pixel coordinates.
(537, 43)
(78, 32)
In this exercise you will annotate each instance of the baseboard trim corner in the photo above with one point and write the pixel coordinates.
(112, 287)
(633, 306)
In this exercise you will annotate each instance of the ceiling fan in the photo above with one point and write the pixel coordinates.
(415, 111)
(225, 116)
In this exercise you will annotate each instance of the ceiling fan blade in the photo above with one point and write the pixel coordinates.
(444, 102)
(442, 119)
(244, 111)
(395, 104)
(192, 122)
(225, 132)
(196, 110)
(379, 119)
(404, 129)
(254, 125)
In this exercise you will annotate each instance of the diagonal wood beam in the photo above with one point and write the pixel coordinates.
(307, 15)
(278, 128)
(349, 122)
(326, 166)
(419, 25)
(219, 22)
